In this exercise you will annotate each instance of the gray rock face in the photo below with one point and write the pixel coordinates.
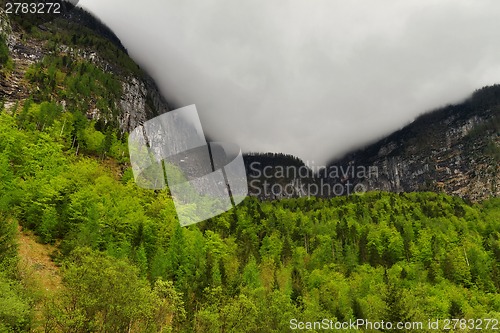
(4, 23)
(133, 98)
(455, 150)
(140, 98)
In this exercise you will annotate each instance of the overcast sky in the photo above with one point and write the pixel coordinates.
(309, 78)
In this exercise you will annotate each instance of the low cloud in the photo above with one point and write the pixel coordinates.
(310, 78)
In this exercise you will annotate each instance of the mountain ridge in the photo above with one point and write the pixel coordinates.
(454, 149)
(76, 38)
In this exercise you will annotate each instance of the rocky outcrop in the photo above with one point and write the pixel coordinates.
(12, 86)
(140, 98)
(455, 150)
(139, 95)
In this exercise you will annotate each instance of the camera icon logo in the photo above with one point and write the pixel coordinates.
(204, 179)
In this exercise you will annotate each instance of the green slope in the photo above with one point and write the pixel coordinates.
(127, 265)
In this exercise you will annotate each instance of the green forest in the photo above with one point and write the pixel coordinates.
(126, 265)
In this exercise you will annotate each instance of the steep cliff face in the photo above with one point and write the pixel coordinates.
(454, 150)
(77, 38)
(277, 176)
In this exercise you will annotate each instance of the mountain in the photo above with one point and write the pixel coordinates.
(273, 176)
(77, 61)
(454, 149)
(84, 249)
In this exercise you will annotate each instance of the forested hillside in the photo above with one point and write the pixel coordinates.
(127, 265)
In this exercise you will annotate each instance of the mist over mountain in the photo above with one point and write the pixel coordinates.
(84, 249)
(311, 79)
(454, 149)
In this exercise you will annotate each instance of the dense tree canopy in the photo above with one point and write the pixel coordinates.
(128, 266)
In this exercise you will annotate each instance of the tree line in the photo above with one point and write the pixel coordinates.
(127, 265)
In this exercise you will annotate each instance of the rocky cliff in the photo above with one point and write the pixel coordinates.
(77, 37)
(455, 149)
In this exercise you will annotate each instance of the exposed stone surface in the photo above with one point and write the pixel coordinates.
(140, 99)
(454, 150)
